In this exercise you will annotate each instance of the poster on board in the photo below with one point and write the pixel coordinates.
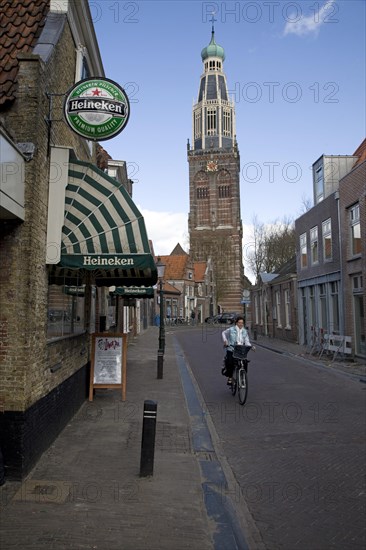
(108, 365)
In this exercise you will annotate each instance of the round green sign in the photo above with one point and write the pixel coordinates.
(97, 108)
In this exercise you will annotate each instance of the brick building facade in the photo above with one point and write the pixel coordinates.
(44, 346)
(352, 202)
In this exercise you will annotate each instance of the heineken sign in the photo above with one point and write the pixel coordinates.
(97, 108)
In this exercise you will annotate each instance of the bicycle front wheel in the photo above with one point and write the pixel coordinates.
(242, 383)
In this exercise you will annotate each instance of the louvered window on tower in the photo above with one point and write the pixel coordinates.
(211, 122)
(202, 192)
(227, 123)
(224, 191)
(197, 125)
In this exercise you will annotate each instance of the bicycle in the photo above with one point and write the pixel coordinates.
(240, 374)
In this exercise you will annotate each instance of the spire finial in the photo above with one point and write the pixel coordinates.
(213, 21)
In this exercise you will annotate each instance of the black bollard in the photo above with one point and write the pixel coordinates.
(160, 363)
(148, 439)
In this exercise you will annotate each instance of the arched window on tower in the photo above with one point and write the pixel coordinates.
(224, 205)
(202, 197)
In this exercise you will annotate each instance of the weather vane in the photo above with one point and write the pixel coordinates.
(213, 21)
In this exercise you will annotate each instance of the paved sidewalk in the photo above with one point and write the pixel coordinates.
(85, 492)
(355, 367)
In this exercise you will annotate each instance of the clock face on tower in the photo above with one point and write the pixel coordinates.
(211, 166)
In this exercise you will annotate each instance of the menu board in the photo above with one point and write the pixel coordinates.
(108, 366)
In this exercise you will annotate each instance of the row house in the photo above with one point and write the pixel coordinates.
(274, 304)
(188, 287)
(318, 299)
(67, 228)
(352, 204)
(330, 257)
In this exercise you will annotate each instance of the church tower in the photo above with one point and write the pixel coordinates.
(215, 227)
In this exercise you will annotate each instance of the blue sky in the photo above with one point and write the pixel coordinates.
(296, 71)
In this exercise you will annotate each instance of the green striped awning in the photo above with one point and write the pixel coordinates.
(103, 234)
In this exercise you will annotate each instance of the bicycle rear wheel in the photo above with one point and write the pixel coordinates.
(242, 386)
(234, 384)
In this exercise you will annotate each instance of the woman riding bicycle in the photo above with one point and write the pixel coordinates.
(234, 335)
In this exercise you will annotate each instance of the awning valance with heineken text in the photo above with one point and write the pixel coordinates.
(134, 292)
(104, 239)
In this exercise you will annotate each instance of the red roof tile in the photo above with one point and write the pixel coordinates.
(199, 271)
(21, 23)
(176, 267)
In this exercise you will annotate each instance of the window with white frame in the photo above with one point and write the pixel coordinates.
(278, 308)
(227, 123)
(303, 251)
(211, 122)
(355, 226)
(197, 124)
(287, 309)
(319, 184)
(327, 240)
(314, 245)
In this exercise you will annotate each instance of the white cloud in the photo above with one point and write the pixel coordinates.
(311, 24)
(166, 230)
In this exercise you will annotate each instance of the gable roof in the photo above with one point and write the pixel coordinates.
(176, 267)
(199, 271)
(170, 289)
(178, 251)
(21, 24)
(360, 152)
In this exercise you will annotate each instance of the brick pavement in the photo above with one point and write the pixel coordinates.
(85, 492)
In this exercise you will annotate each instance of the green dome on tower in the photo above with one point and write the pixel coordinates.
(213, 49)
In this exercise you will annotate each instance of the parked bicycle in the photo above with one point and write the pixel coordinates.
(240, 375)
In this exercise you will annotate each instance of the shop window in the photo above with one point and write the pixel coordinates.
(66, 311)
(312, 306)
(323, 312)
(334, 306)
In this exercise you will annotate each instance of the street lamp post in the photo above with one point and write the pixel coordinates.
(161, 269)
